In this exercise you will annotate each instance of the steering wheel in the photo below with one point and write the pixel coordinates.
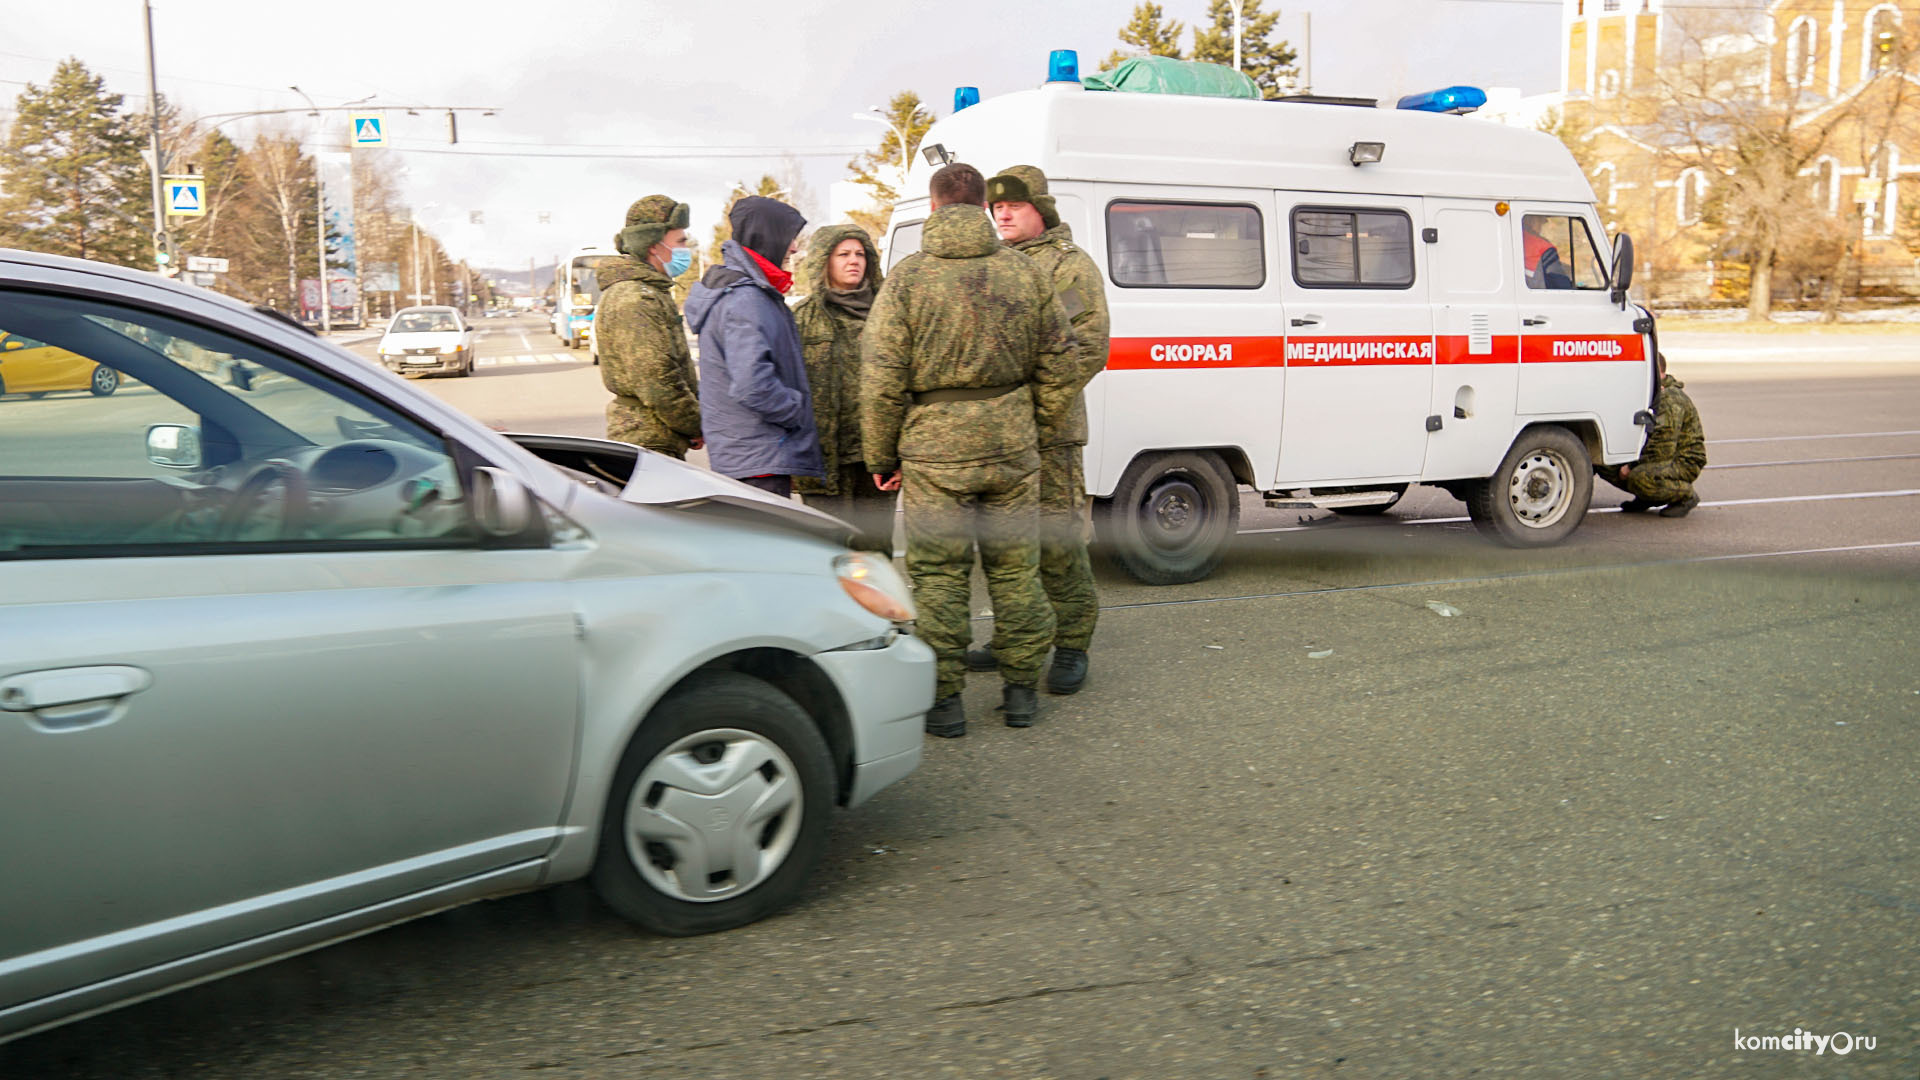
(246, 499)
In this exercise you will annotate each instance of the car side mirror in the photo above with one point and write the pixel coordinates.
(174, 446)
(1622, 268)
(502, 505)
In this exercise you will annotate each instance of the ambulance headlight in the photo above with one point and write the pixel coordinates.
(1361, 153)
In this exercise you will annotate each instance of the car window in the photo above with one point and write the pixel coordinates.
(1185, 246)
(1559, 253)
(1352, 249)
(423, 322)
(200, 439)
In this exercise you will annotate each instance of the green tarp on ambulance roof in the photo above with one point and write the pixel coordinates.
(1166, 75)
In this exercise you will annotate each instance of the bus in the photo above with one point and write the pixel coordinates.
(576, 290)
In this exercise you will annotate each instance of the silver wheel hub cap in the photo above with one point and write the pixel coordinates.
(713, 815)
(1541, 489)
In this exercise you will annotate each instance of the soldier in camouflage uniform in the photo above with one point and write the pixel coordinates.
(841, 275)
(1671, 461)
(644, 358)
(1028, 223)
(969, 369)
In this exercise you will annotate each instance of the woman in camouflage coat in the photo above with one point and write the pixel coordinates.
(841, 275)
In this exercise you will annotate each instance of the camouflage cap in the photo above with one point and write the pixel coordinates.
(1024, 183)
(649, 220)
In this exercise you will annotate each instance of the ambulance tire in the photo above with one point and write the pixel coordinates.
(1540, 493)
(1171, 517)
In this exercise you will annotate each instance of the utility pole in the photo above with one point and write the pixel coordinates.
(320, 220)
(162, 243)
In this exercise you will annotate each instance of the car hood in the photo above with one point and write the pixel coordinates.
(423, 340)
(659, 480)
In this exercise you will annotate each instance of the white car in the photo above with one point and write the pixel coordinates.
(290, 661)
(428, 341)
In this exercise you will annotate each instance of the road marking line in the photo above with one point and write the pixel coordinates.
(1805, 438)
(1814, 461)
(1513, 576)
(1615, 509)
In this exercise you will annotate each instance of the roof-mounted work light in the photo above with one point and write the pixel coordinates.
(1454, 99)
(936, 155)
(1362, 153)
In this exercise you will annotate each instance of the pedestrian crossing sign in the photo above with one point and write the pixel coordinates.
(186, 196)
(369, 129)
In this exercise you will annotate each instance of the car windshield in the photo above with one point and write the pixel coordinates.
(423, 322)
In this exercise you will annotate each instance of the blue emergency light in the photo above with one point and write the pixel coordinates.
(1063, 66)
(1454, 99)
(964, 96)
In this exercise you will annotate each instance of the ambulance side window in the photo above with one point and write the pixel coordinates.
(1352, 249)
(1559, 253)
(904, 242)
(1158, 245)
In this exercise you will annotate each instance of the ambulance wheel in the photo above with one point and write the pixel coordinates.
(1171, 517)
(1399, 491)
(1540, 493)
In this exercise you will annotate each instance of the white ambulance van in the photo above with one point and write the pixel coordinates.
(1326, 303)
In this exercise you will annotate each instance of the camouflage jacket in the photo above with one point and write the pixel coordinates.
(1083, 298)
(1676, 435)
(830, 338)
(644, 358)
(964, 312)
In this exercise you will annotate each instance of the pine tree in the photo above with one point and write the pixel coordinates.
(879, 168)
(1150, 33)
(71, 169)
(1270, 63)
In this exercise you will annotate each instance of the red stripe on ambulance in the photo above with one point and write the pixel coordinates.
(1190, 353)
(1558, 349)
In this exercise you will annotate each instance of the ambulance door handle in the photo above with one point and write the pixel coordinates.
(1537, 320)
(1306, 320)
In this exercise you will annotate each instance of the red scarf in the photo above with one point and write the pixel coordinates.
(776, 277)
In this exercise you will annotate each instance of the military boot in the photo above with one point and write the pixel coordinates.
(1020, 704)
(1069, 670)
(982, 659)
(948, 719)
(1636, 505)
(1682, 508)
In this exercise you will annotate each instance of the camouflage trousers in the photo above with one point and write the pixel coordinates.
(1066, 572)
(948, 508)
(1659, 483)
(868, 509)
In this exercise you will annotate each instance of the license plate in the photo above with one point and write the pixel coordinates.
(423, 359)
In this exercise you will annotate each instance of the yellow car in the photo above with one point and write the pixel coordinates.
(29, 367)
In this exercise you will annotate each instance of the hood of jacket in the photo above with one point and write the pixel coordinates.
(959, 231)
(768, 226)
(813, 271)
(1669, 380)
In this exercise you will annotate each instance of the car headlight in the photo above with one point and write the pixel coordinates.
(875, 585)
(452, 348)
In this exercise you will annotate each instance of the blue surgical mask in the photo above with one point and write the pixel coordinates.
(682, 258)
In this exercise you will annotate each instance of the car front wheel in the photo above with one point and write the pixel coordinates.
(718, 813)
(1539, 495)
(104, 382)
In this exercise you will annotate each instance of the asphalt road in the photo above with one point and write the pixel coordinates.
(1644, 789)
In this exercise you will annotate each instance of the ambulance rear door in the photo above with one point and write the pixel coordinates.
(1476, 337)
(1579, 356)
(1359, 350)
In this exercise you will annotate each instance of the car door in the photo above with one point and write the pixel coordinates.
(1476, 337)
(257, 667)
(1359, 349)
(1579, 355)
(31, 367)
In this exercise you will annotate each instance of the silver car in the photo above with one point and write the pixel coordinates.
(289, 658)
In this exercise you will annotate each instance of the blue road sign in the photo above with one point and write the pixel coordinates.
(186, 196)
(369, 129)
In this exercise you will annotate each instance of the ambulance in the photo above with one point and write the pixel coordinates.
(1327, 302)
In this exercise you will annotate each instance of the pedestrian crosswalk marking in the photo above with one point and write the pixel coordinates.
(520, 359)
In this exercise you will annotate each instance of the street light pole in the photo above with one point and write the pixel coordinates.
(163, 244)
(320, 221)
(875, 115)
(1238, 5)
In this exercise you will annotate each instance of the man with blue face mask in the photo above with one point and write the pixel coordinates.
(644, 358)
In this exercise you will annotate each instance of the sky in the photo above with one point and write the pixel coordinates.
(702, 95)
